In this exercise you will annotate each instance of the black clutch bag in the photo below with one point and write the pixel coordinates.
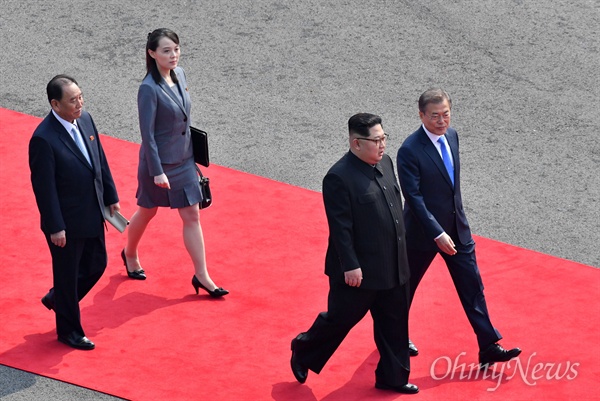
(204, 189)
(200, 146)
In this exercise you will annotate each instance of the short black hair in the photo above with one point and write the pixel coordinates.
(361, 123)
(54, 89)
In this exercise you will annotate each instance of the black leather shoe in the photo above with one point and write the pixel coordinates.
(76, 341)
(495, 353)
(405, 389)
(300, 372)
(48, 301)
(139, 274)
(412, 349)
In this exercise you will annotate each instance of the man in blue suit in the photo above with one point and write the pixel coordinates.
(429, 172)
(72, 184)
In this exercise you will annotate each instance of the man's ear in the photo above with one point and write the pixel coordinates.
(55, 104)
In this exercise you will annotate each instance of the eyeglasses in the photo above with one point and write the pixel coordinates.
(436, 116)
(377, 141)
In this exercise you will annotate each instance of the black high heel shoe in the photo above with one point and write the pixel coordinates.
(136, 275)
(216, 293)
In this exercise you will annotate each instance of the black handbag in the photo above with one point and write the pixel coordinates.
(204, 189)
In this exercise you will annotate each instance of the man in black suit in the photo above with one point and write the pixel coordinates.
(365, 261)
(72, 183)
(429, 171)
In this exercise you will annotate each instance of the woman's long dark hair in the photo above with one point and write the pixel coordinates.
(153, 38)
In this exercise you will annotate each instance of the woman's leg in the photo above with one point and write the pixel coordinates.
(194, 243)
(135, 230)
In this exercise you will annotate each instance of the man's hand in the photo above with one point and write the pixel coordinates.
(114, 208)
(162, 181)
(59, 239)
(353, 277)
(446, 245)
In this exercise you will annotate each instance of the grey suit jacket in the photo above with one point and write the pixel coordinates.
(164, 122)
(366, 230)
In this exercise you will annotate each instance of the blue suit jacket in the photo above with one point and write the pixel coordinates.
(70, 194)
(432, 205)
(164, 123)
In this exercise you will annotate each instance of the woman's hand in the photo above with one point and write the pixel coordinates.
(162, 181)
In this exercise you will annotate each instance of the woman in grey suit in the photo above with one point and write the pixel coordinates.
(166, 173)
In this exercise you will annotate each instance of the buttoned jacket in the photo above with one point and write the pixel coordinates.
(366, 229)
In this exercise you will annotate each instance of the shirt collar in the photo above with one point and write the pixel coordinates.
(68, 125)
(432, 137)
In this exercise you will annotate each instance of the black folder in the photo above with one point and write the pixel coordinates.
(200, 146)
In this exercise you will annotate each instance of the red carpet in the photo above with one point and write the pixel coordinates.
(157, 340)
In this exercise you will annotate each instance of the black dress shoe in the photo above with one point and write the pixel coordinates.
(48, 301)
(412, 349)
(78, 342)
(139, 274)
(300, 372)
(495, 353)
(405, 389)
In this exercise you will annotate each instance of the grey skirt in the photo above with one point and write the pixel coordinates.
(183, 179)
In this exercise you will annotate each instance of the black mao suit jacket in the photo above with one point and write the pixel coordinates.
(365, 223)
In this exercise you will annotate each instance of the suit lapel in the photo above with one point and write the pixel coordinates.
(89, 137)
(65, 137)
(182, 88)
(172, 95)
(431, 151)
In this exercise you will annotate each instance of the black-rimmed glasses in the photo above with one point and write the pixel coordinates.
(376, 141)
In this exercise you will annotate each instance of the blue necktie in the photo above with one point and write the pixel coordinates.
(80, 144)
(446, 158)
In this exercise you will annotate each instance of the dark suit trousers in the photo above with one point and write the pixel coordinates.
(75, 269)
(467, 281)
(346, 307)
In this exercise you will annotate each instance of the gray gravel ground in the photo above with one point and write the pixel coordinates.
(274, 82)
